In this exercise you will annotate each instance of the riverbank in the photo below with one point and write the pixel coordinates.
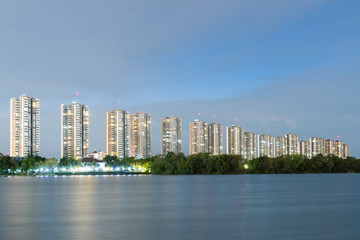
(73, 174)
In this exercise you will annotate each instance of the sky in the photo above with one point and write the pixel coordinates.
(273, 67)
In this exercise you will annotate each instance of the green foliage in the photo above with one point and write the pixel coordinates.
(31, 162)
(300, 164)
(111, 161)
(69, 162)
(8, 165)
(202, 163)
(51, 163)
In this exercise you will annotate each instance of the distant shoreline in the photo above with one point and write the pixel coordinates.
(74, 174)
(144, 173)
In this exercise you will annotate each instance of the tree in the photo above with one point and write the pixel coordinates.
(51, 163)
(69, 162)
(7, 163)
(112, 160)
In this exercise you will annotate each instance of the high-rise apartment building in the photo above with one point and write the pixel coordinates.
(118, 133)
(215, 139)
(339, 149)
(305, 149)
(234, 140)
(346, 149)
(265, 146)
(74, 130)
(24, 126)
(140, 135)
(292, 144)
(171, 140)
(198, 137)
(249, 145)
(280, 148)
(317, 146)
(329, 147)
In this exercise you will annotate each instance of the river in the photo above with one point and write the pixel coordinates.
(304, 206)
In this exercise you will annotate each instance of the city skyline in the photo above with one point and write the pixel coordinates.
(129, 135)
(275, 67)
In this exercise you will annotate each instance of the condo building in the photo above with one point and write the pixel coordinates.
(140, 135)
(305, 149)
(215, 139)
(292, 144)
(346, 149)
(339, 149)
(265, 146)
(24, 126)
(329, 147)
(249, 145)
(118, 133)
(171, 141)
(234, 140)
(198, 137)
(280, 148)
(317, 146)
(74, 130)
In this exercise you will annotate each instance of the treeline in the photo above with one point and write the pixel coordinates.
(10, 165)
(113, 161)
(204, 163)
(300, 164)
(31, 164)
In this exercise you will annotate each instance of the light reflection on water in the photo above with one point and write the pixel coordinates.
(322, 206)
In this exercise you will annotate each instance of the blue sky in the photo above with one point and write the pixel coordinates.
(277, 66)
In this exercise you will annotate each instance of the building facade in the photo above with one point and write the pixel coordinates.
(329, 147)
(24, 126)
(317, 146)
(339, 149)
(215, 139)
(292, 144)
(118, 133)
(265, 146)
(75, 130)
(98, 155)
(280, 148)
(171, 141)
(198, 137)
(140, 135)
(346, 149)
(249, 145)
(234, 140)
(305, 149)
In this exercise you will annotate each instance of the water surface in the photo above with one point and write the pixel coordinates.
(314, 206)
